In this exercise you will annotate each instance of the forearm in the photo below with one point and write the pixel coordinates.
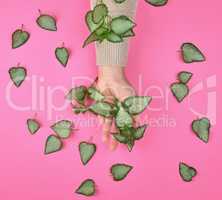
(115, 54)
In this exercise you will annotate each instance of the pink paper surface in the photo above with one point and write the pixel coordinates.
(27, 174)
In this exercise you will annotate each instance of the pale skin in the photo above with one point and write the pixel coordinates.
(112, 82)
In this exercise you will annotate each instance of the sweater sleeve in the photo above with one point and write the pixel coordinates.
(115, 54)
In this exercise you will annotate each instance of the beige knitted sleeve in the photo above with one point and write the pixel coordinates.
(115, 54)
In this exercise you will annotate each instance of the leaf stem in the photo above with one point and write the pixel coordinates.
(40, 12)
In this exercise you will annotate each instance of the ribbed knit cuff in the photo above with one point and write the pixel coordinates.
(115, 54)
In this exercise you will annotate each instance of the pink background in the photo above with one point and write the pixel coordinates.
(25, 173)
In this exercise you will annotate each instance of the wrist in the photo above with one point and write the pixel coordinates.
(111, 73)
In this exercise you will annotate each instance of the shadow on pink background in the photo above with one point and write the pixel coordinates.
(27, 174)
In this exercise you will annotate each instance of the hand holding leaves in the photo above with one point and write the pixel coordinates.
(121, 112)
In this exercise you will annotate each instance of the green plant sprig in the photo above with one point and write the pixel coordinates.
(122, 112)
(104, 27)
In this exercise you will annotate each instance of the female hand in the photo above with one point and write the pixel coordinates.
(114, 85)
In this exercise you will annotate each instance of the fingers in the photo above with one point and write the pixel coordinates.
(107, 136)
(136, 120)
(113, 143)
(101, 120)
(106, 130)
(123, 91)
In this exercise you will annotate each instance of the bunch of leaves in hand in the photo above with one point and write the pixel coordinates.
(103, 27)
(122, 112)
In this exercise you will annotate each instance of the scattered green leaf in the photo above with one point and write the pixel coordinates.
(184, 77)
(157, 3)
(19, 37)
(33, 126)
(87, 151)
(63, 128)
(87, 188)
(191, 53)
(201, 127)
(186, 172)
(17, 75)
(53, 144)
(47, 22)
(180, 91)
(62, 55)
(120, 171)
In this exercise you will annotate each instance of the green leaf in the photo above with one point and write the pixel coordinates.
(78, 93)
(139, 132)
(157, 2)
(113, 37)
(33, 126)
(136, 105)
(17, 75)
(129, 33)
(123, 119)
(87, 188)
(53, 144)
(102, 108)
(63, 128)
(201, 127)
(101, 32)
(179, 90)
(120, 138)
(87, 151)
(93, 37)
(95, 94)
(90, 23)
(47, 22)
(191, 53)
(186, 172)
(119, 1)
(122, 24)
(62, 55)
(184, 76)
(120, 171)
(78, 110)
(19, 37)
(99, 13)
(130, 144)
(128, 135)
